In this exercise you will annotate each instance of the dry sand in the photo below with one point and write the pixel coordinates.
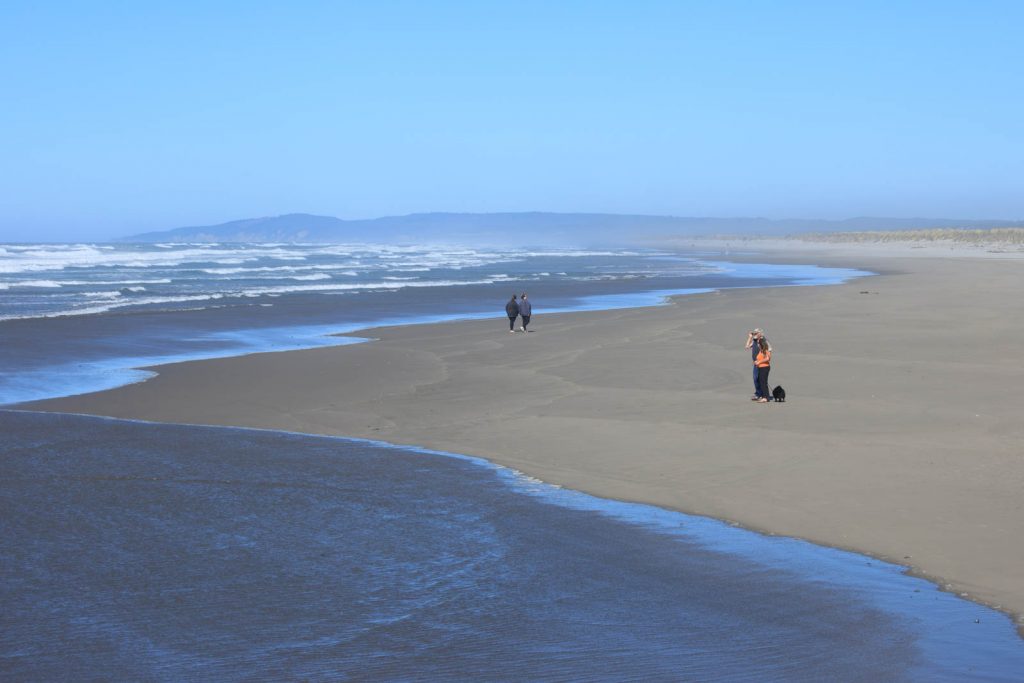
(902, 436)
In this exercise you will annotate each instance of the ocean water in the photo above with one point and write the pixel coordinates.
(135, 551)
(84, 317)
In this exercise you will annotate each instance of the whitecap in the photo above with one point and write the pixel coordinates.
(50, 284)
(316, 276)
(109, 306)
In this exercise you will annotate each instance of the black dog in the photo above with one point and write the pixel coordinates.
(779, 394)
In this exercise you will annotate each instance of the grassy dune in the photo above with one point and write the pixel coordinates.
(989, 237)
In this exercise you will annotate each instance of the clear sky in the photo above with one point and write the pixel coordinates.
(119, 117)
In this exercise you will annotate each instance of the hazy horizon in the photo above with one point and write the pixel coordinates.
(120, 121)
(728, 224)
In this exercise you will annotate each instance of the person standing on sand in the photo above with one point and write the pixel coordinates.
(763, 363)
(512, 311)
(753, 337)
(525, 310)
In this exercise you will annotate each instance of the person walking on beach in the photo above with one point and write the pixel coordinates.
(763, 364)
(525, 310)
(753, 337)
(512, 311)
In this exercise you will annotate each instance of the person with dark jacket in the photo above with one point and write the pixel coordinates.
(512, 311)
(525, 310)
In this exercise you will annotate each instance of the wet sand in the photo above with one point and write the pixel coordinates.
(901, 438)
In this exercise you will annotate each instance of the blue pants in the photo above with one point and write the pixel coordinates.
(762, 383)
(757, 389)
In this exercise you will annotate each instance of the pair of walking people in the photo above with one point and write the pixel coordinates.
(516, 309)
(761, 355)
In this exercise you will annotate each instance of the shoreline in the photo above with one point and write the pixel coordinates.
(112, 372)
(94, 373)
(584, 377)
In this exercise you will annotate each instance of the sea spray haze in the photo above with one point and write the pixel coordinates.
(533, 227)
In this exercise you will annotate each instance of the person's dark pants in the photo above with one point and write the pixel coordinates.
(757, 390)
(512, 322)
(762, 383)
(526, 321)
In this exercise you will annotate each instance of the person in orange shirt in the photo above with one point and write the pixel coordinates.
(753, 337)
(763, 363)
(755, 341)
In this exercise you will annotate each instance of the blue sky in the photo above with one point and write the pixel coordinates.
(122, 117)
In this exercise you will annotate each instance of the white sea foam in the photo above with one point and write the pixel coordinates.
(270, 269)
(36, 283)
(567, 253)
(339, 287)
(115, 299)
(80, 283)
(105, 307)
(157, 281)
(200, 272)
(33, 258)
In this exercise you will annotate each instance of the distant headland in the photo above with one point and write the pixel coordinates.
(533, 228)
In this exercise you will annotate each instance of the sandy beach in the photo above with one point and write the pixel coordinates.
(901, 437)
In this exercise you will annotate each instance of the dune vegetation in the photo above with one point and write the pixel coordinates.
(987, 237)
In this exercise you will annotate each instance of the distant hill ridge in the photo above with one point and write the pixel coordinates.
(580, 229)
